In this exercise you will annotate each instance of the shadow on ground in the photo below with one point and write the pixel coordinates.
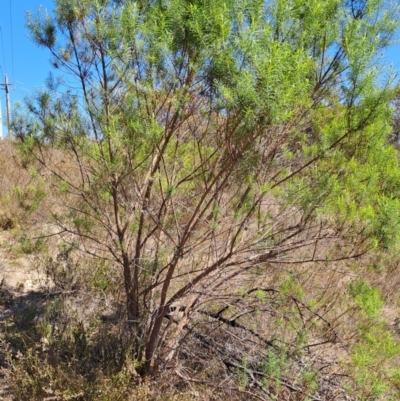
(41, 336)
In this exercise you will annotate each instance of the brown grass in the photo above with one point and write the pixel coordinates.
(279, 329)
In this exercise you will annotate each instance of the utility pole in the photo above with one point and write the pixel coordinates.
(8, 105)
(6, 87)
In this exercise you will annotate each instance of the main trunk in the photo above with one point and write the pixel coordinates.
(132, 307)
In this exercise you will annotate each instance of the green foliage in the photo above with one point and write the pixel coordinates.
(275, 366)
(375, 380)
(375, 347)
(209, 137)
(30, 246)
(29, 198)
(290, 287)
(367, 298)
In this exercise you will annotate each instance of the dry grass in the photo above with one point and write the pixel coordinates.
(277, 330)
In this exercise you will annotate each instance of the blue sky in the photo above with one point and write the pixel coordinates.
(27, 66)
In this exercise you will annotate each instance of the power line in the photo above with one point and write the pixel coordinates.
(3, 85)
(2, 46)
(12, 43)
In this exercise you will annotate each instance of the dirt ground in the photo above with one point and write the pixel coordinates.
(19, 280)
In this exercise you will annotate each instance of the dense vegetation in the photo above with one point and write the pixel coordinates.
(219, 176)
